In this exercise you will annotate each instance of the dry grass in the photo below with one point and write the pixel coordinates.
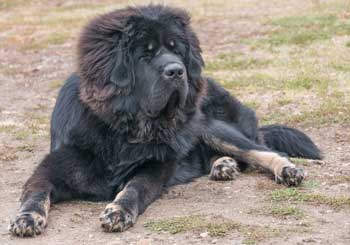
(293, 195)
(215, 226)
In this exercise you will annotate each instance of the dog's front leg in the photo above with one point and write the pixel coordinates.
(140, 191)
(35, 203)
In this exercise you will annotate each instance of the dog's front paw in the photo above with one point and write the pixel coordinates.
(28, 224)
(224, 168)
(116, 219)
(291, 176)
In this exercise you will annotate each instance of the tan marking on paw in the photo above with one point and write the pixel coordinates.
(119, 195)
(269, 160)
(116, 219)
(28, 224)
(224, 168)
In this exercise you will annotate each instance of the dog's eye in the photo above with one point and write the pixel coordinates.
(172, 43)
(150, 47)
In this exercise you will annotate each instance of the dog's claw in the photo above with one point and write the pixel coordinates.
(224, 168)
(28, 224)
(116, 219)
(291, 176)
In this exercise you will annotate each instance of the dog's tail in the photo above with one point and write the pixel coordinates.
(290, 141)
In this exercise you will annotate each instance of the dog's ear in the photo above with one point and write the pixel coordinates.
(195, 62)
(121, 73)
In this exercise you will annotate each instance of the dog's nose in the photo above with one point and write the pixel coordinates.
(173, 70)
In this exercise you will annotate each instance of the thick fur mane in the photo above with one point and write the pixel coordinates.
(101, 43)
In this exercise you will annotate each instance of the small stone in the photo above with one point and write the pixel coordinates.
(309, 240)
(116, 241)
(144, 242)
(204, 234)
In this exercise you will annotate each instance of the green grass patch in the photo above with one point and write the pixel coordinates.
(284, 101)
(9, 4)
(195, 222)
(26, 148)
(9, 153)
(265, 82)
(274, 118)
(333, 109)
(294, 195)
(311, 21)
(300, 161)
(56, 84)
(177, 224)
(311, 184)
(298, 83)
(7, 129)
(287, 212)
(347, 44)
(252, 104)
(56, 38)
(31, 130)
(232, 62)
(36, 120)
(36, 127)
(341, 67)
(23, 134)
(215, 226)
(301, 37)
(306, 162)
(253, 82)
(78, 6)
(8, 70)
(223, 229)
(257, 234)
(303, 30)
(8, 157)
(338, 179)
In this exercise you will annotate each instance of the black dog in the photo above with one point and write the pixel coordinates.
(138, 116)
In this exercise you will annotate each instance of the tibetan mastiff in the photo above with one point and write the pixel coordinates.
(138, 116)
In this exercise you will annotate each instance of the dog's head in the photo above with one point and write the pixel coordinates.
(141, 60)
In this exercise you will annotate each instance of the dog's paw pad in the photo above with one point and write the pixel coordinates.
(116, 219)
(28, 224)
(224, 168)
(291, 176)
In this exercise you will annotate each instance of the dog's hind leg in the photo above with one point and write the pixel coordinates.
(140, 191)
(228, 140)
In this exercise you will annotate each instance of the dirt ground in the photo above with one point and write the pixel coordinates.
(303, 81)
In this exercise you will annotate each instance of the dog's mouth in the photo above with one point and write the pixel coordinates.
(169, 111)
